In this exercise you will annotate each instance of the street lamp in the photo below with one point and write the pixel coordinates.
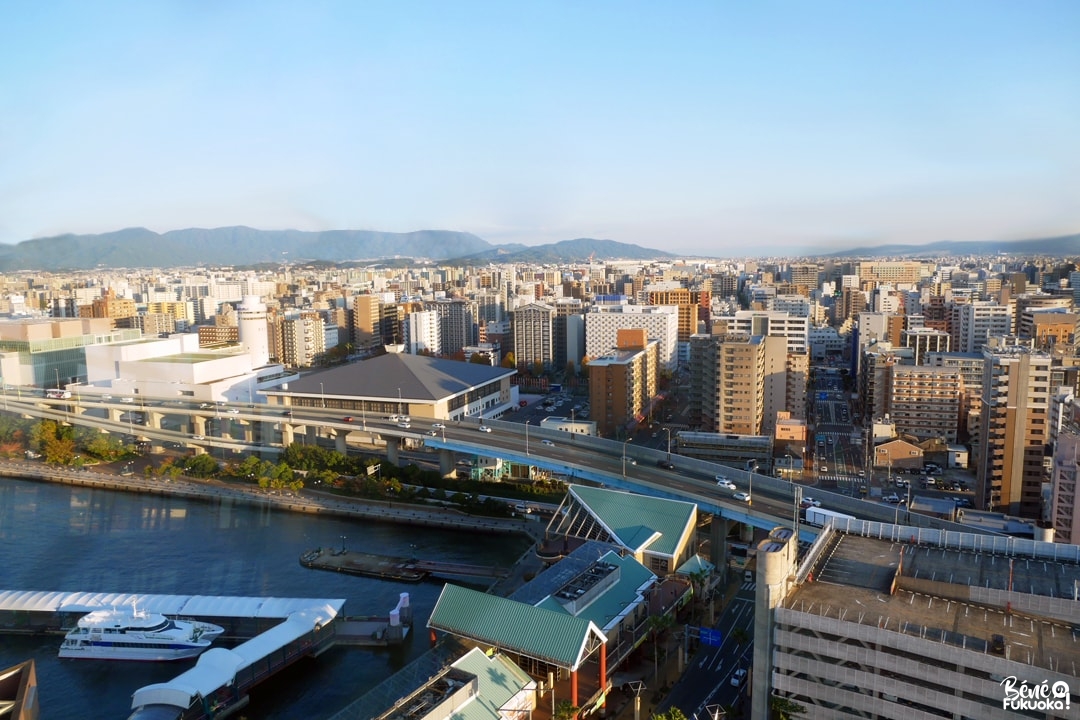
(624, 456)
(526, 437)
(790, 467)
(668, 431)
(322, 395)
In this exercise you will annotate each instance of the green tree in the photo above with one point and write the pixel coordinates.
(784, 709)
(673, 713)
(658, 625)
(201, 466)
(740, 636)
(565, 710)
(480, 359)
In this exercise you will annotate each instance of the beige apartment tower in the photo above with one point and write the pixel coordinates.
(1014, 429)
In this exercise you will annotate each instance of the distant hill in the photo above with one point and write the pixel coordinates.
(568, 251)
(1064, 246)
(139, 247)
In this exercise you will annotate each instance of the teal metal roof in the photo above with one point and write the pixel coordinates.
(539, 633)
(498, 681)
(694, 564)
(607, 609)
(634, 519)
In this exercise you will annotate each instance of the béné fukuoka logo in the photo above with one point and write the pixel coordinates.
(1035, 696)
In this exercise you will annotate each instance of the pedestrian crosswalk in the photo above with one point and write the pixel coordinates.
(748, 586)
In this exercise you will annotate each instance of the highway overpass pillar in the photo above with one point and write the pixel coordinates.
(392, 447)
(446, 463)
(718, 554)
(312, 433)
(115, 413)
(287, 430)
(340, 436)
(153, 419)
(198, 424)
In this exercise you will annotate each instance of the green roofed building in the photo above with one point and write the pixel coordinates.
(543, 642)
(657, 532)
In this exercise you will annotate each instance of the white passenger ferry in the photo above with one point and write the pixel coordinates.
(131, 634)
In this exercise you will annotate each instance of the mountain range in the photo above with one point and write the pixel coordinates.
(241, 246)
(1061, 246)
(139, 247)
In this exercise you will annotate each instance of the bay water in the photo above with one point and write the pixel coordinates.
(61, 538)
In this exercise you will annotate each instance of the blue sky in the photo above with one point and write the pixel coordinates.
(719, 128)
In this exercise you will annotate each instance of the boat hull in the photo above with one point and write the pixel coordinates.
(164, 653)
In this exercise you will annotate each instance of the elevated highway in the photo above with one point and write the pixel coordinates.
(578, 458)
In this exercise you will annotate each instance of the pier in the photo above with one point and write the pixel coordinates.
(393, 568)
(280, 631)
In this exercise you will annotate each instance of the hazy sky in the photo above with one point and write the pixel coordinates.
(725, 128)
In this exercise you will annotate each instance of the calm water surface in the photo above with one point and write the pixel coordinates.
(54, 537)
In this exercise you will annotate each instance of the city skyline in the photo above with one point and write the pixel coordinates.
(702, 131)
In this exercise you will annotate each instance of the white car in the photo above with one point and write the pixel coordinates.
(233, 411)
(432, 433)
(723, 482)
(738, 678)
(742, 497)
(547, 442)
(438, 426)
(197, 437)
(484, 428)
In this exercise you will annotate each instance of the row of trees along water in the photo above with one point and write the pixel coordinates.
(300, 466)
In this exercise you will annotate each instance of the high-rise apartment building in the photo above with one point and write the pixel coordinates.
(421, 334)
(973, 324)
(112, 306)
(457, 324)
(568, 331)
(688, 308)
(795, 330)
(925, 401)
(367, 335)
(303, 340)
(1014, 429)
(622, 384)
(806, 276)
(892, 272)
(727, 383)
(924, 340)
(1032, 301)
(532, 330)
(970, 366)
(1049, 327)
(660, 322)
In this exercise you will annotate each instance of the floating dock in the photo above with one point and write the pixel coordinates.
(387, 567)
